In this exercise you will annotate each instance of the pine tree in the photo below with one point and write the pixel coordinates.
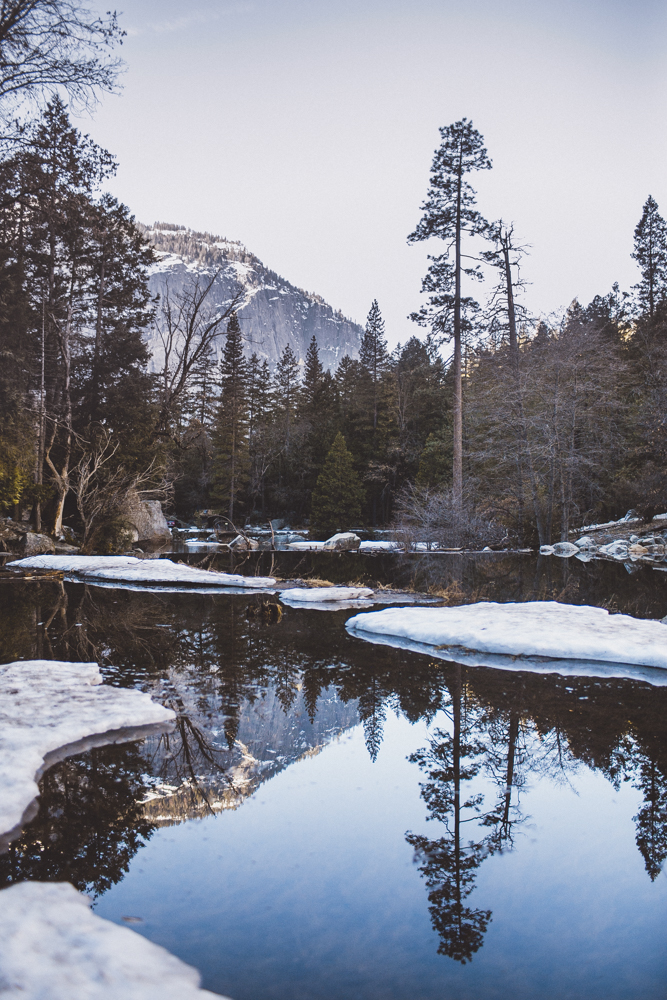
(449, 213)
(231, 459)
(261, 434)
(313, 378)
(651, 255)
(287, 391)
(373, 353)
(338, 495)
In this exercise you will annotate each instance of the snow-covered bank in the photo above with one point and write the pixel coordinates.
(49, 709)
(52, 947)
(574, 639)
(128, 569)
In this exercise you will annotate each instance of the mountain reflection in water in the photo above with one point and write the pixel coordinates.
(255, 695)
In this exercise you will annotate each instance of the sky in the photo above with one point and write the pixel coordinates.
(306, 130)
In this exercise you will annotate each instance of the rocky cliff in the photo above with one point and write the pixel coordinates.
(272, 314)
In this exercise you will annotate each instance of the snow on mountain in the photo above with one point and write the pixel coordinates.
(273, 312)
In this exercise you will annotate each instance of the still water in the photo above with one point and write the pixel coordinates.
(337, 819)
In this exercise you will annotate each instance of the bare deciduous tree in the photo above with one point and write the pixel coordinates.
(46, 44)
(104, 494)
(186, 326)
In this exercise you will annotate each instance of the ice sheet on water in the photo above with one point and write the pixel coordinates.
(537, 629)
(75, 564)
(53, 946)
(316, 596)
(128, 569)
(48, 704)
(165, 588)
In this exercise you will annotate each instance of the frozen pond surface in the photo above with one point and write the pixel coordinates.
(334, 819)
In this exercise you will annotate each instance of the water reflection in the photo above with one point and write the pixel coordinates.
(90, 822)
(257, 691)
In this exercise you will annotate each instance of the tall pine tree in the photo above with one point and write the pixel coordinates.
(373, 354)
(651, 255)
(230, 439)
(449, 214)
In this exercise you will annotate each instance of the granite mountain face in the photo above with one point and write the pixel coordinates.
(272, 312)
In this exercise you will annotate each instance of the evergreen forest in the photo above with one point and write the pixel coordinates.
(489, 425)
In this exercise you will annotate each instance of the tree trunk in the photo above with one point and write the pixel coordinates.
(457, 467)
(62, 477)
(94, 401)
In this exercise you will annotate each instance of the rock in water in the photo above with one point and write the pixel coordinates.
(617, 549)
(242, 544)
(344, 541)
(565, 549)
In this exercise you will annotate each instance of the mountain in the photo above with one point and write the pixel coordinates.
(195, 771)
(273, 313)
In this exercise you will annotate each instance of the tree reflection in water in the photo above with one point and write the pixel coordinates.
(255, 692)
(90, 822)
(452, 761)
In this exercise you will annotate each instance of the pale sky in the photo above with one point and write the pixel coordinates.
(306, 130)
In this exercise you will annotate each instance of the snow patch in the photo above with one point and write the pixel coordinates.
(46, 705)
(53, 947)
(384, 546)
(538, 629)
(316, 596)
(127, 569)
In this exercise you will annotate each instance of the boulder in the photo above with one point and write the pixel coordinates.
(147, 520)
(241, 544)
(637, 550)
(617, 549)
(344, 541)
(585, 542)
(63, 549)
(33, 544)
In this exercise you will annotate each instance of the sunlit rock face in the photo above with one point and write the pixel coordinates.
(272, 312)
